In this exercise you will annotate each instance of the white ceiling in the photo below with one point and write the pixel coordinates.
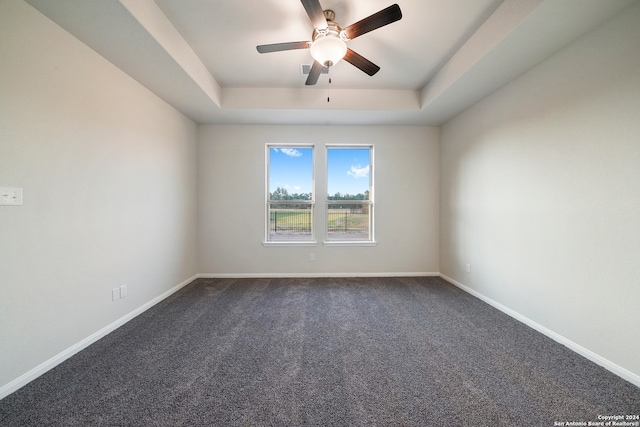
(409, 51)
(440, 58)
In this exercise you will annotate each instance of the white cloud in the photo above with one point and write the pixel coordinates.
(359, 171)
(290, 187)
(291, 152)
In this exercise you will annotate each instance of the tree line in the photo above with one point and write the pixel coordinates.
(281, 193)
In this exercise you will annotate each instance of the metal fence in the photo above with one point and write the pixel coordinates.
(290, 221)
(294, 223)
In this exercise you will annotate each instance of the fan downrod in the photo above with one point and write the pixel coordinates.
(329, 15)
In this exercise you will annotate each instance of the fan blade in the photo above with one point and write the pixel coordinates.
(361, 62)
(314, 10)
(277, 47)
(377, 20)
(314, 74)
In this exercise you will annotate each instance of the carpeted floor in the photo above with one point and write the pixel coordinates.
(326, 352)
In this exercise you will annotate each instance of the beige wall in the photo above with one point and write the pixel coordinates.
(540, 194)
(231, 185)
(108, 172)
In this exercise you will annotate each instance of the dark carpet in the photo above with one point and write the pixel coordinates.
(326, 352)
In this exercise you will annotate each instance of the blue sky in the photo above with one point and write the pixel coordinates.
(347, 170)
(291, 168)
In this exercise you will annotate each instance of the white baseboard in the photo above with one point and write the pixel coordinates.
(66, 354)
(605, 363)
(311, 275)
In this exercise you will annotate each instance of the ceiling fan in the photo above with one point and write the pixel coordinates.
(328, 40)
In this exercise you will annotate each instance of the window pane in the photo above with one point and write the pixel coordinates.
(348, 222)
(290, 194)
(349, 202)
(348, 173)
(290, 222)
(290, 173)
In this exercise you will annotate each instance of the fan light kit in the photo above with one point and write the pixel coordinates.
(328, 50)
(328, 46)
(328, 43)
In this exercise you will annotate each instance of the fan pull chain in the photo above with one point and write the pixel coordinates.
(328, 87)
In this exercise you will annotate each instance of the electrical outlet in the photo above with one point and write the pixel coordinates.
(123, 291)
(312, 257)
(10, 196)
(468, 268)
(115, 294)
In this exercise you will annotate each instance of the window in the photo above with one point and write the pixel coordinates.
(350, 193)
(290, 198)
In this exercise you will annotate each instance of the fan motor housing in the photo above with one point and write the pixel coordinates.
(333, 29)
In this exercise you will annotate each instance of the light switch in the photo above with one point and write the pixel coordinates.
(10, 196)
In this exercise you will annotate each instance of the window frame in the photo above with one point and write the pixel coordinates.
(311, 203)
(370, 202)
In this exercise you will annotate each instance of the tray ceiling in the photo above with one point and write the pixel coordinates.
(439, 59)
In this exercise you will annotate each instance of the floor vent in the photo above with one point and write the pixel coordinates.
(305, 68)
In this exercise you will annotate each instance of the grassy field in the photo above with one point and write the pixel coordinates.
(345, 221)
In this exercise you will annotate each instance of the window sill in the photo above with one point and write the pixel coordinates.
(291, 243)
(349, 243)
